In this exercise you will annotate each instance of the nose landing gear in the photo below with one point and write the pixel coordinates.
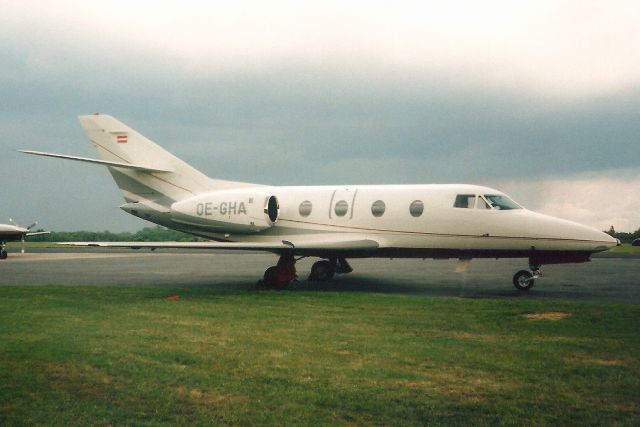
(3, 250)
(524, 280)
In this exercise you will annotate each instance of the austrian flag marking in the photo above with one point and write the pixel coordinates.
(121, 139)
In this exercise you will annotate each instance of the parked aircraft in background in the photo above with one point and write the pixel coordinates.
(333, 223)
(13, 233)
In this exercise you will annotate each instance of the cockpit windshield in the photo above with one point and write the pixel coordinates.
(501, 202)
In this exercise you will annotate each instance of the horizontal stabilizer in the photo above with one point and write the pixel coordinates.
(96, 161)
(38, 233)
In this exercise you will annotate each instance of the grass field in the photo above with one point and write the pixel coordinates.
(125, 356)
(624, 249)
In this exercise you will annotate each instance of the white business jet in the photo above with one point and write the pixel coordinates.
(13, 233)
(333, 223)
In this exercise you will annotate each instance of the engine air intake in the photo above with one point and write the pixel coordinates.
(272, 208)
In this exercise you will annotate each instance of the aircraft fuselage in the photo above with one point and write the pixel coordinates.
(406, 220)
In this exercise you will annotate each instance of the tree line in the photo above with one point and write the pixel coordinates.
(622, 236)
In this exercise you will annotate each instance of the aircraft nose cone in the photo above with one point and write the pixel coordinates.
(599, 240)
(575, 235)
(608, 240)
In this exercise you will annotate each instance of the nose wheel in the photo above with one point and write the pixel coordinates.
(3, 250)
(524, 280)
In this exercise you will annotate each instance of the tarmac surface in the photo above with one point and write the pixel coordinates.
(603, 280)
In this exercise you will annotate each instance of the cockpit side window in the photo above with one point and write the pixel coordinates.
(501, 202)
(467, 201)
(482, 203)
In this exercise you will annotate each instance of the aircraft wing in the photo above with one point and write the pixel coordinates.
(316, 244)
(183, 245)
(334, 243)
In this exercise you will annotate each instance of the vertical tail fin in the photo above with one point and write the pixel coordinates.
(116, 142)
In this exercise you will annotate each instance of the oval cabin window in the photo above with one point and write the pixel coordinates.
(341, 208)
(377, 208)
(416, 208)
(305, 208)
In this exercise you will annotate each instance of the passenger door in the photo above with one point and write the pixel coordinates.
(342, 202)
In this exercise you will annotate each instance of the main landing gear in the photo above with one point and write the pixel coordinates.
(3, 250)
(279, 276)
(324, 270)
(524, 280)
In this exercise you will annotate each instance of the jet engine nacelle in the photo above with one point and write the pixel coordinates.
(228, 211)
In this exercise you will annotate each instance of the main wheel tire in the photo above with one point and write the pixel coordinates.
(321, 271)
(270, 277)
(343, 267)
(280, 286)
(523, 280)
(3, 254)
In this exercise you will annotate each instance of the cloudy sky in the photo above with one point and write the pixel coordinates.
(540, 99)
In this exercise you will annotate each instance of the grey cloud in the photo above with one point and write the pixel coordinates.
(292, 124)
